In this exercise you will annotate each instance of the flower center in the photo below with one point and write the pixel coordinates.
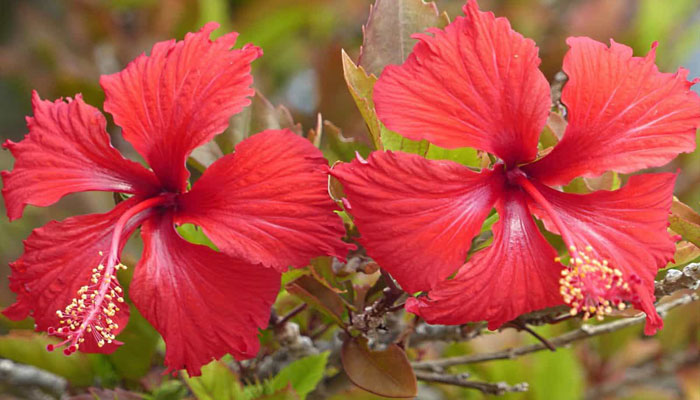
(592, 286)
(92, 310)
(589, 284)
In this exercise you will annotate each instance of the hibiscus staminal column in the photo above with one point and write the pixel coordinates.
(589, 284)
(92, 310)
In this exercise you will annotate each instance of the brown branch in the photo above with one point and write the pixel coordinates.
(560, 79)
(585, 331)
(27, 381)
(497, 388)
(446, 333)
(676, 280)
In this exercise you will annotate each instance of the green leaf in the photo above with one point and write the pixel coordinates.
(334, 145)
(670, 23)
(195, 234)
(132, 360)
(393, 141)
(170, 390)
(577, 185)
(488, 223)
(303, 375)
(685, 253)
(217, 382)
(287, 393)
(108, 394)
(387, 34)
(292, 274)
(386, 372)
(465, 156)
(610, 180)
(30, 348)
(214, 10)
(557, 375)
(361, 88)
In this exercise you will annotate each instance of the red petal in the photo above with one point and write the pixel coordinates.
(417, 217)
(67, 150)
(475, 84)
(268, 202)
(624, 115)
(180, 97)
(515, 275)
(58, 259)
(204, 303)
(626, 227)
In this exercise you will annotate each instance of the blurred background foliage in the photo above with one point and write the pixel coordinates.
(61, 48)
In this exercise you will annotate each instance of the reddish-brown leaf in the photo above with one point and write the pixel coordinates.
(386, 373)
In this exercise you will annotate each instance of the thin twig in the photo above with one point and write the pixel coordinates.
(404, 337)
(497, 388)
(585, 331)
(301, 307)
(523, 327)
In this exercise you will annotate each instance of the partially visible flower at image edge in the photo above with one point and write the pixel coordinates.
(265, 207)
(477, 84)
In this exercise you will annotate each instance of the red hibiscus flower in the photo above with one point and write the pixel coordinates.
(266, 207)
(477, 84)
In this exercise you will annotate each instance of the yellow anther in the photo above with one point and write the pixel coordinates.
(590, 286)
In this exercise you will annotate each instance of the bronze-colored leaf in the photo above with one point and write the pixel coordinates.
(685, 253)
(387, 34)
(685, 222)
(386, 373)
(318, 296)
(258, 116)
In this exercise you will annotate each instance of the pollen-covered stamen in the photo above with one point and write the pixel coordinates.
(592, 286)
(91, 311)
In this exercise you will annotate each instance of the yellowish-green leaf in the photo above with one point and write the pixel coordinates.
(685, 222)
(466, 156)
(217, 382)
(30, 348)
(302, 375)
(360, 85)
